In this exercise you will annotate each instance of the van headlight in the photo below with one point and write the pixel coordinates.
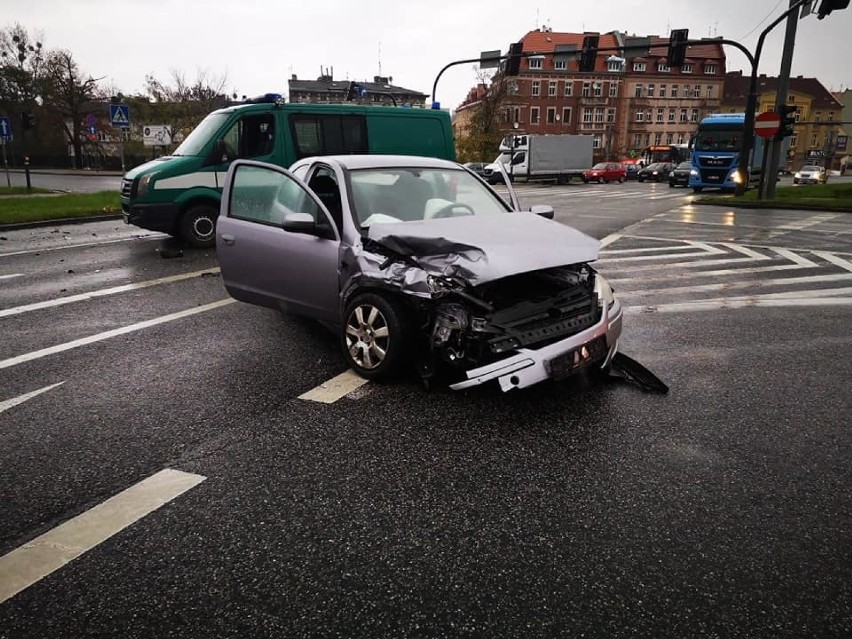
(604, 291)
(144, 183)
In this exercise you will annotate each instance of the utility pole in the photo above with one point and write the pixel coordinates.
(781, 95)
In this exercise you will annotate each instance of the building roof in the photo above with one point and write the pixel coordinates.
(546, 41)
(709, 52)
(736, 88)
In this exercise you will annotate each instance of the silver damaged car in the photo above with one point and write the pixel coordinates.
(418, 262)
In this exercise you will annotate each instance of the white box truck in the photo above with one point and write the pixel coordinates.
(529, 158)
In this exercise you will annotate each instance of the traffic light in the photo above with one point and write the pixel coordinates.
(27, 121)
(677, 47)
(589, 53)
(788, 120)
(827, 6)
(513, 62)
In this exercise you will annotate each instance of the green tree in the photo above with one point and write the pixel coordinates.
(488, 122)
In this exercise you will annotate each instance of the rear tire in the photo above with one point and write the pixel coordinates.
(374, 336)
(198, 226)
(697, 189)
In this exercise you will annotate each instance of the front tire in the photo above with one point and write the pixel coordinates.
(374, 336)
(198, 226)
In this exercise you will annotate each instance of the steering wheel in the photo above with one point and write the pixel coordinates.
(448, 210)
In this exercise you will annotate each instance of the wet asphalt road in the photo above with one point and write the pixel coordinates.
(572, 509)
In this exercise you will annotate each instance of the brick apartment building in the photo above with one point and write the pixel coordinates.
(625, 104)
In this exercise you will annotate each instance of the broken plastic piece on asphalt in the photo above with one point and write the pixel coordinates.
(627, 368)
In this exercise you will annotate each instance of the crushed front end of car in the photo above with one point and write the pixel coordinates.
(490, 304)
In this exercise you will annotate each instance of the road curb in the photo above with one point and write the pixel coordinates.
(69, 220)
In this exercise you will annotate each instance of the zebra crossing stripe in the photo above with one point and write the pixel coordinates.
(834, 259)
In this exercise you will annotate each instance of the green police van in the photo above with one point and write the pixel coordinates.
(179, 194)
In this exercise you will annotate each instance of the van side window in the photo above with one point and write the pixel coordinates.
(328, 134)
(252, 136)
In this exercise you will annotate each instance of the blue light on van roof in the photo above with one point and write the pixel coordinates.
(266, 98)
(436, 105)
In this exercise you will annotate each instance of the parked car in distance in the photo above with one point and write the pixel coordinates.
(605, 172)
(632, 170)
(810, 174)
(477, 167)
(414, 262)
(657, 172)
(680, 175)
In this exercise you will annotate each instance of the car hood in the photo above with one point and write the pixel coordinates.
(164, 166)
(484, 248)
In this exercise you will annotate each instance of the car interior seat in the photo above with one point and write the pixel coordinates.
(329, 194)
(411, 194)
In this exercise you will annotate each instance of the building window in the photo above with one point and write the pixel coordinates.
(610, 115)
(818, 116)
(696, 91)
(638, 66)
(551, 88)
(587, 89)
(534, 115)
(709, 91)
(566, 115)
(831, 116)
(598, 87)
(613, 65)
(680, 138)
(815, 140)
(661, 115)
(516, 114)
(651, 90)
(693, 116)
(662, 67)
(560, 65)
(658, 139)
(674, 90)
(797, 115)
(637, 91)
(686, 68)
(569, 88)
(686, 89)
(683, 115)
(613, 89)
(669, 138)
(662, 90)
(551, 115)
(587, 116)
(596, 141)
(536, 88)
(640, 115)
(671, 115)
(709, 69)
(637, 139)
(794, 139)
(535, 63)
(649, 115)
(599, 115)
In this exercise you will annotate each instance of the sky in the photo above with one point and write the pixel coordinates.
(258, 44)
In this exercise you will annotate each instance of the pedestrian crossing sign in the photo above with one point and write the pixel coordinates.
(119, 115)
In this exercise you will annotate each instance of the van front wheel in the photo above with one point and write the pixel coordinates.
(198, 225)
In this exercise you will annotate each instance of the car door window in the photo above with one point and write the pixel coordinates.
(267, 196)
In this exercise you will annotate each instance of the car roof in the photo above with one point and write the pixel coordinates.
(365, 161)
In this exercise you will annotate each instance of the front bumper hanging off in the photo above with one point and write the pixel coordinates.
(530, 366)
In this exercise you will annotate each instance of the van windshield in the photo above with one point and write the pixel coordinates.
(200, 136)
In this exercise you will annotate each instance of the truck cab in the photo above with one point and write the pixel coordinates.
(180, 194)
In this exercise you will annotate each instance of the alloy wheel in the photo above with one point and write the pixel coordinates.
(367, 336)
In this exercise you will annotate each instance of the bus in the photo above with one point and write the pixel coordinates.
(674, 153)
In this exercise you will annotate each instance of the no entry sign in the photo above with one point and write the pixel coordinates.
(767, 124)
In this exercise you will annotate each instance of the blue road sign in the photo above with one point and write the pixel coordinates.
(5, 129)
(119, 115)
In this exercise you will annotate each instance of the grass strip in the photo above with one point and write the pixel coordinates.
(828, 196)
(15, 210)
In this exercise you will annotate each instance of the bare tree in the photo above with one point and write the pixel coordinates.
(183, 103)
(69, 94)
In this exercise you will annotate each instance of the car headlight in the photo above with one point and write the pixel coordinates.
(604, 291)
(693, 173)
(797, 175)
(144, 183)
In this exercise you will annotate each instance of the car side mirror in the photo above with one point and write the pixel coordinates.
(543, 210)
(219, 154)
(300, 223)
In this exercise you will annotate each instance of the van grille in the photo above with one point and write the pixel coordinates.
(127, 188)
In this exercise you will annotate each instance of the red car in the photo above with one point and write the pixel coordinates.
(605, 172)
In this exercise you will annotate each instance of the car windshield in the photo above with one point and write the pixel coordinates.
(656, 166)
(412, 194)
(684, 166)
(197, 140)
(811, 168)
(600, 166)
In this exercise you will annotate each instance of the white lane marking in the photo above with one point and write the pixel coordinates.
(20, 399)
(650, 249)
(807, 222)
(335, 388)
(737, 303)
(695, 264)
(756, 284)
(647, 258)
(33, 561)
(724, 271)
(709, 248)
(609, 239)
(793, 257)
(837, 261)
(744, 250)
(158, 236)
(10, 276)
(59, 301)
(59, 348)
